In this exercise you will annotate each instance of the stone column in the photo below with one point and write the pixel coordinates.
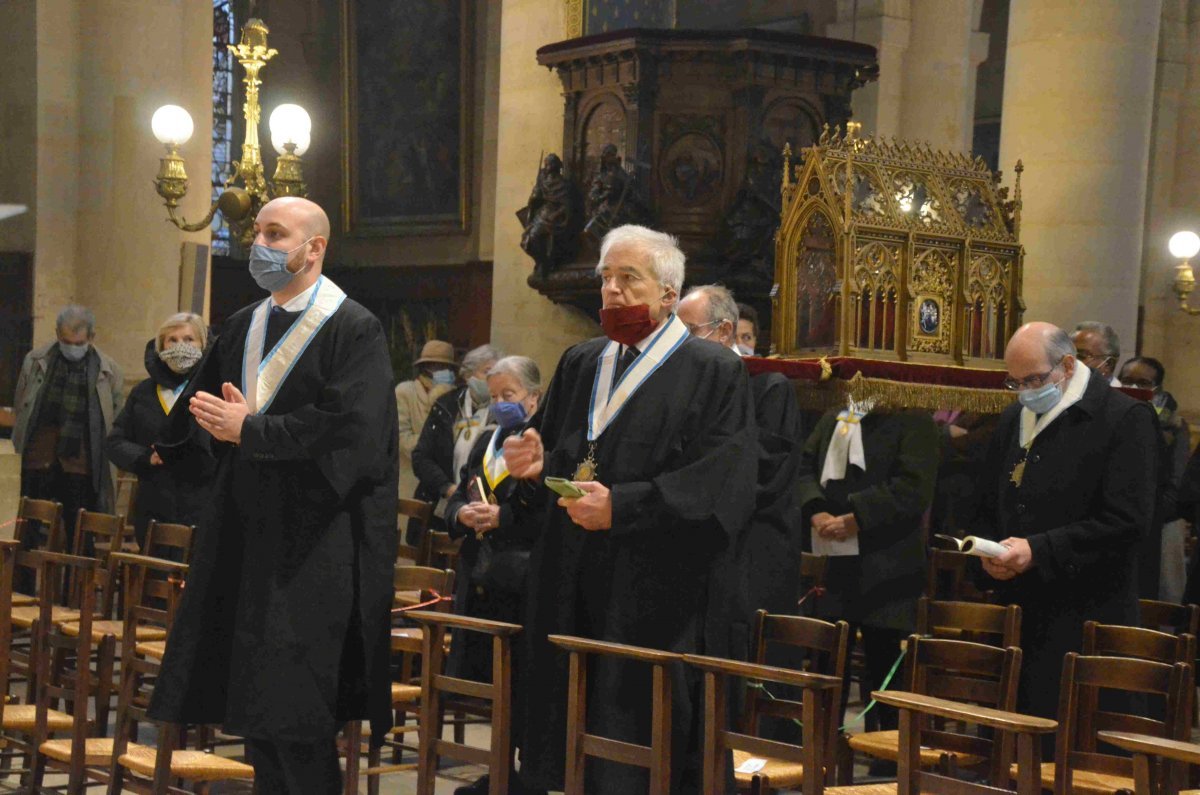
(885, 25)
(1078, 103)
(530, 121)
(944, 53)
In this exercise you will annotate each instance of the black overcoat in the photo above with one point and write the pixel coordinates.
(283, 629)
(681, 462)
(176, 491)
(433, 457)
(1086, 499)
(878, 587)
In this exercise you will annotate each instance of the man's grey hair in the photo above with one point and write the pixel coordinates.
(1058, 346)
(666, 258)
(522, 368)
(476, 358)
(721, 304)
(74, 318)
(1112, 343)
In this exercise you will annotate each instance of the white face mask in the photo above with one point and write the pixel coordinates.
(744, 350)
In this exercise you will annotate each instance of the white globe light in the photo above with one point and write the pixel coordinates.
(1184, 245)
(290, 124)
(172, 125)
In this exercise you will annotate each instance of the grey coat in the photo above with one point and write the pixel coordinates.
(109, 385)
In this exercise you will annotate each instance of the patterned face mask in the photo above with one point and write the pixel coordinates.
(180, 358)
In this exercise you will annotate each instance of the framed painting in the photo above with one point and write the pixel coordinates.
(406, 112)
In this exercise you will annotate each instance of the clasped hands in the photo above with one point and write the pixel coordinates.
(524, 454)
(835, 528)
(479, 516)
(221, 416)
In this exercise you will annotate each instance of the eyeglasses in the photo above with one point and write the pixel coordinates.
(695, 330)
(1139, 384)
(1029, 382)
(1087, 358)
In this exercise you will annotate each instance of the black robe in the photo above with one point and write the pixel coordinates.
(681, 462)
(283, 629)
(1085, 501)
(176, 491)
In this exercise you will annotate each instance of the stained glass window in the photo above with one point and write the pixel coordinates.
(222, 127)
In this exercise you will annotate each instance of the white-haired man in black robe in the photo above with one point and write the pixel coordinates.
(282, 634)
(657, 429)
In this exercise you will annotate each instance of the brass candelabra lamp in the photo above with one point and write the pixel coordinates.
(1184, 245)
(291, 131)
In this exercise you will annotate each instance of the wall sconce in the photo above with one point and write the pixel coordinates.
(291, 131)
(1184, 245)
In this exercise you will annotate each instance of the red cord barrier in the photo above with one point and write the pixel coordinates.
(437, 598)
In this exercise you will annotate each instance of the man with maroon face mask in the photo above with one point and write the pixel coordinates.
(657, 429)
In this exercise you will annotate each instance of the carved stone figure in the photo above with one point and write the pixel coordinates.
(551, 218)
(612, 199)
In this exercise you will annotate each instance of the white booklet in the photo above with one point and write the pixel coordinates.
(973, 545)
(833, 547)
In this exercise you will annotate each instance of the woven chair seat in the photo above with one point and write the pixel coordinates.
(23, 718)
(886, 745)
(863, 789)
(1084, 782)
(25, 616)
(97, 751)
(23, 599)
(781, 773)
(154, 649)
(107, 628)
(191, 765)
(405, 694)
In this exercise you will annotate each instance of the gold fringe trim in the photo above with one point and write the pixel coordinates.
(900, 395)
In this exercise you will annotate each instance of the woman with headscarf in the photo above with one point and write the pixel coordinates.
(169, 490)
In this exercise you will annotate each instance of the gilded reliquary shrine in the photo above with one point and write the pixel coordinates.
(893, 251)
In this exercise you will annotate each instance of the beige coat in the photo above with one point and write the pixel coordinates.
(413, 403)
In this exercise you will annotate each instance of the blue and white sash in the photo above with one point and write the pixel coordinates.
(608, 399)
(495, 468)
(263, 374)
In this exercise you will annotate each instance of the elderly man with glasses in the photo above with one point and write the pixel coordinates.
(1068, 487)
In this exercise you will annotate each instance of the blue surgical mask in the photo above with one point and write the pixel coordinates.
(479, 391)
(744, 350)
(1042, 399)
(268, 266)
(73, 353)
(508, 415)
(444, 377)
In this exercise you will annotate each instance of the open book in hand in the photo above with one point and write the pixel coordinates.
(973, 545)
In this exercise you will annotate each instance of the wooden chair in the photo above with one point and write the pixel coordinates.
(817, 710)
(420, 512)
(914, 778)
(823, 646)
(125, 502)
(63, 673)
(153, 590)
(169, 541)
(410, 582)
(498, 693)
(961, 671)
(1148, 777)
(1081, 766)
(38, 526)
(1116, 640)
(97, 535)
(992, 625)
(443, 550)
(656, 757)
(949, 577)
(1170, 617)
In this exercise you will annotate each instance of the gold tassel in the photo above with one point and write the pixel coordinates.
(821, 396)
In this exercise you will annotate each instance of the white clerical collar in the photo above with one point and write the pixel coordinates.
(1032, 424)
(299, 302)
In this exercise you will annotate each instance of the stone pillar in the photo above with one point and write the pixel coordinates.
(1078, 103)
(102, 237)
(885, 25)
(530, 121)
(944, 53)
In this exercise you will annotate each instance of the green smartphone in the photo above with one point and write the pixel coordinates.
(564, 488)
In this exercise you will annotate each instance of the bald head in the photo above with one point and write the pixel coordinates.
(307, 215)
(1036, 348)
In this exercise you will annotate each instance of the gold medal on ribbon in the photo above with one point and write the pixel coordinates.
(586, 471)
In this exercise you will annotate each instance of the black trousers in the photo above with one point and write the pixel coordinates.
(73, 491)
(881, 647)
(290, 768)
